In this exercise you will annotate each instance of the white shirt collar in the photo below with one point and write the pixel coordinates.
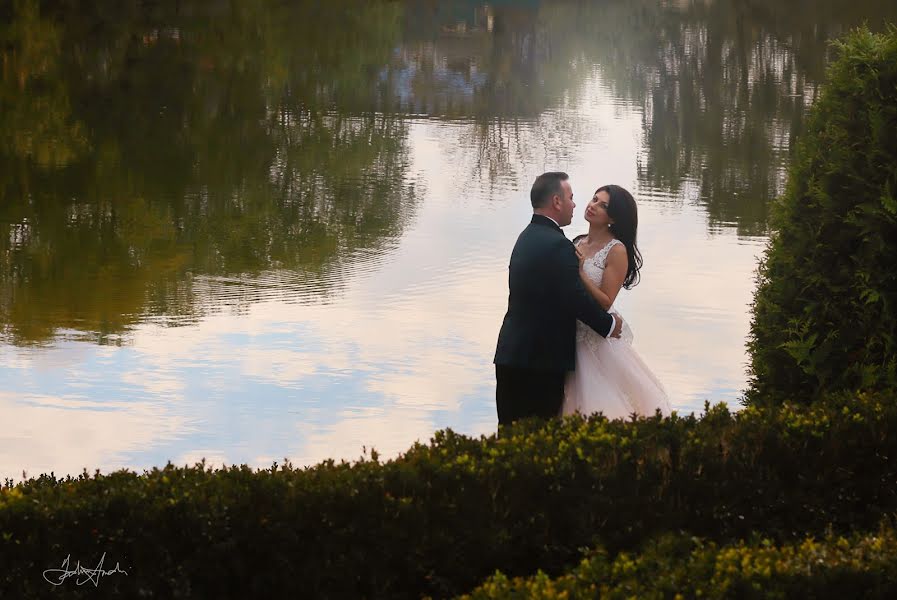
(552, 220)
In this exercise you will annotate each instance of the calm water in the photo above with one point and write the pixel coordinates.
(253, 230)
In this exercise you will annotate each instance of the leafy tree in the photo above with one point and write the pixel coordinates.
(825, 308)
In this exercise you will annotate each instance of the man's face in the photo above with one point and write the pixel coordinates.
(567, 204)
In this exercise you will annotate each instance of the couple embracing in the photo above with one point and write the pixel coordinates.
(562, 347)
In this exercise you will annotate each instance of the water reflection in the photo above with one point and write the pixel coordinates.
(201, 150)
(723, 85)
(283, 228)
(143, 148)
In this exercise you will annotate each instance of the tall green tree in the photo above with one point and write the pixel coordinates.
(825, 309)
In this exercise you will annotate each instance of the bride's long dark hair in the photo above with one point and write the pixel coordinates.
(622, 209)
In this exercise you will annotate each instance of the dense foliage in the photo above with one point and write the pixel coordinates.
(443, 517)
(835, 567)
(826, 305)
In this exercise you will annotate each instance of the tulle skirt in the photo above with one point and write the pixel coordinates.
(611, 378)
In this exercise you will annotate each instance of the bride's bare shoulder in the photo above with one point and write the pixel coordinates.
(617, 252)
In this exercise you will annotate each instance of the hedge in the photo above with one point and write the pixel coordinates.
(825, 307)
(444, 516)
(679, 567)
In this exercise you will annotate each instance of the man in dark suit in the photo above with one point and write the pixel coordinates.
(537, 341)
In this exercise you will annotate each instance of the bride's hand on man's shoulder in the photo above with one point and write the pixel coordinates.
(581, 257)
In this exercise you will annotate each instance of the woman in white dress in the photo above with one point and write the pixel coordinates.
(610, 376)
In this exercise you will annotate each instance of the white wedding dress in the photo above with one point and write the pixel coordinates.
(610, 376)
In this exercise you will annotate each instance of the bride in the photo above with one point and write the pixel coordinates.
(610, 377)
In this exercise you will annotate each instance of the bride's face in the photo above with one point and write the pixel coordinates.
(596, 210)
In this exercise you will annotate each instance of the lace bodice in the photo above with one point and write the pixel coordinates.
(594, 269)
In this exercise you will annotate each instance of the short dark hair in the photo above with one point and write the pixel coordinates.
(545, 186)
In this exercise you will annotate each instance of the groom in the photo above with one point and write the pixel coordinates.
(537, 341)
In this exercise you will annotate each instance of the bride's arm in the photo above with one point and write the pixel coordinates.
(614, 274)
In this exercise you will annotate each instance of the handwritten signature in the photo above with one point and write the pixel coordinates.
(58, 576)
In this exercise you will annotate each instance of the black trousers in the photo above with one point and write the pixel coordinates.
(521, 393)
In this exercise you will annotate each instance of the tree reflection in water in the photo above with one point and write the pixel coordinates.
(144, 152)
(160, 161)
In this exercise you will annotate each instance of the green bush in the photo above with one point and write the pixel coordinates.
(679, 567)
(825, 308)
(444, 516)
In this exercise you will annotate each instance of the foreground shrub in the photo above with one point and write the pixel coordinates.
(825, 308)
(863, 566)
(444, 516)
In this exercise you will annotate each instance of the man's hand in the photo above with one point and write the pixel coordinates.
(618, 326)
(581, 257)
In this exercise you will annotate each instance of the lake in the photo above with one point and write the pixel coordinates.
(249, 231)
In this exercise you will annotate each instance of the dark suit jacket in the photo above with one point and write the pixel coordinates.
(546, 298)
